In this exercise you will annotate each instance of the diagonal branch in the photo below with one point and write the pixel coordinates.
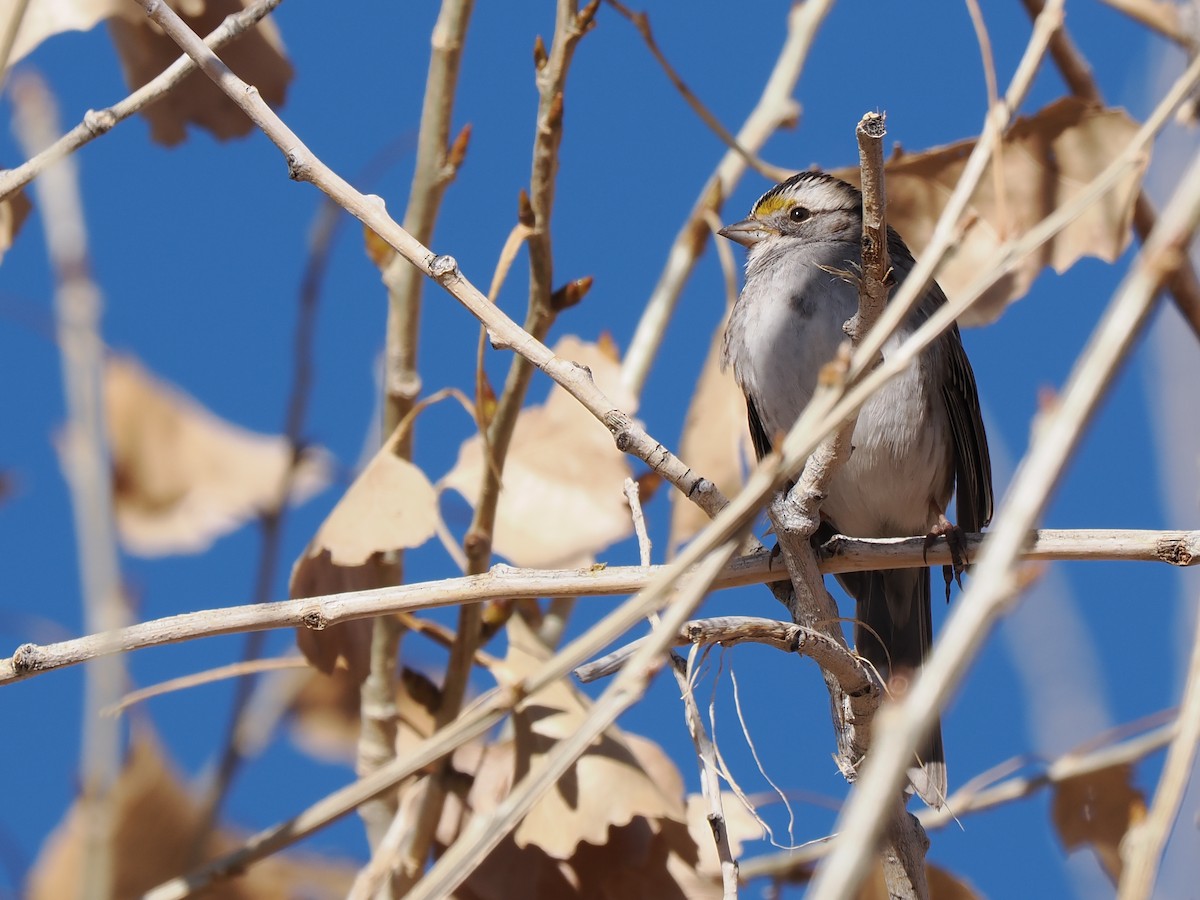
(995, 582)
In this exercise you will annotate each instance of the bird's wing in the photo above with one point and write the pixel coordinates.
(972, 464)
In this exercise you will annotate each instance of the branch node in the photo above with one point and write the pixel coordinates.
(28, 658)
(444, 268)
(297, 165)
(97, 122)
(1176, 550)
(314, 620)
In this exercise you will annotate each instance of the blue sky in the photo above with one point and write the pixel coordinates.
(199, 250)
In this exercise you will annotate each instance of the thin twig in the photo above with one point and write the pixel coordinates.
(729, 631)
(993, 98)
(641, 21)
(633, 498)
(551, 76)
(98, 122)
(78, 303)
(1148, 839)
(995, 582)
(840, 554)
(199, 679)
(710, 779)
(271, 523)
(706, 755)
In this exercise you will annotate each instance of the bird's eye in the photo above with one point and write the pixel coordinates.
(799, 214)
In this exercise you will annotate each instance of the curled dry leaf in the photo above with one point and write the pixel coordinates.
(156, 823)
(1098, 809)
(13, 211)
(715, 441)
(184, 477)
(1045, 161)
(257, 57)
(561, 500)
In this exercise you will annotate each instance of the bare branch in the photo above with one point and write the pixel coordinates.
(78, 303)
(797, 516)
(729, 631)
(710, 779)
(436, 165)
(1148, 839)
(839, 554)
(995, 581)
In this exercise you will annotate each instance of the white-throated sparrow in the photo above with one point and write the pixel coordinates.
(917, 439)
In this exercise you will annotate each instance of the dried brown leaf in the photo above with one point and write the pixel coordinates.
(1046, 160)
(1097, 809)
(618, 779)
(390, 506)
(184, 477)
(562, 498)
(614, 826)
(13, 211)
(257, 57)
(156, 823)
(715, 441)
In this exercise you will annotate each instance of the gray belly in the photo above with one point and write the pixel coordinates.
(899, 474)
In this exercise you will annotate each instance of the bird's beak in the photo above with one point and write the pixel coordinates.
(747, 232)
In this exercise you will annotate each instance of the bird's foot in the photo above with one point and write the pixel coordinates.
(956, 540)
